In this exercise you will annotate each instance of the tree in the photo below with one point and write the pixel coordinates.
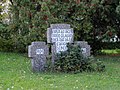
(30, 18)
(92, 20)
(105, 21)
(1, 10)
(118, 12)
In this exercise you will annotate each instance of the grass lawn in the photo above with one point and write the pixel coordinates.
(15, 74)
(112, 51)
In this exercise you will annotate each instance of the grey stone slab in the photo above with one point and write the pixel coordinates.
(38, 63)
(30, 51)
(57, 26)
(38, 52)
(59, 35)
(49, 32)
(84, 47)
(38, 43)
(86, 53)
(82, 43)
(57, 31)
(53, 49)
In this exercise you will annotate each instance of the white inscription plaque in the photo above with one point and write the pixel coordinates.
(39, 51)
(61, 37)
(83, 50)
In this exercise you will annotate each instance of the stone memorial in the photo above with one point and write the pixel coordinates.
(85, 48)
(59, 35)
(38, 51)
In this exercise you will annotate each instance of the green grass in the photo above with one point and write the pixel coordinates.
(112, 51)
(16, 74)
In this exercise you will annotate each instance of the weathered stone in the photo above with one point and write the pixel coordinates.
(53, 49)
(60, 32)
(49, 32)
(38, 51)
(59, 35)
(84, 47)
(58, 26)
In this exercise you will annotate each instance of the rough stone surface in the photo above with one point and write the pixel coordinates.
(53, 49)
(38, 51)
(62, 26)
(57, 31)
(59, 35)
(84, 47)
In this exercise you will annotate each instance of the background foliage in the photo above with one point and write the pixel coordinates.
(92, 20)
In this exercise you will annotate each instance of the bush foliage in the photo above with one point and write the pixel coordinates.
(92, 21)
(73, 60)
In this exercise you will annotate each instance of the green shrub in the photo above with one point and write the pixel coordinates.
(110, 45)
(73, 60)
(6, 43)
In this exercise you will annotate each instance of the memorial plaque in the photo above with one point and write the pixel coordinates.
(59, 35)
(85, 48)
(38, 51)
